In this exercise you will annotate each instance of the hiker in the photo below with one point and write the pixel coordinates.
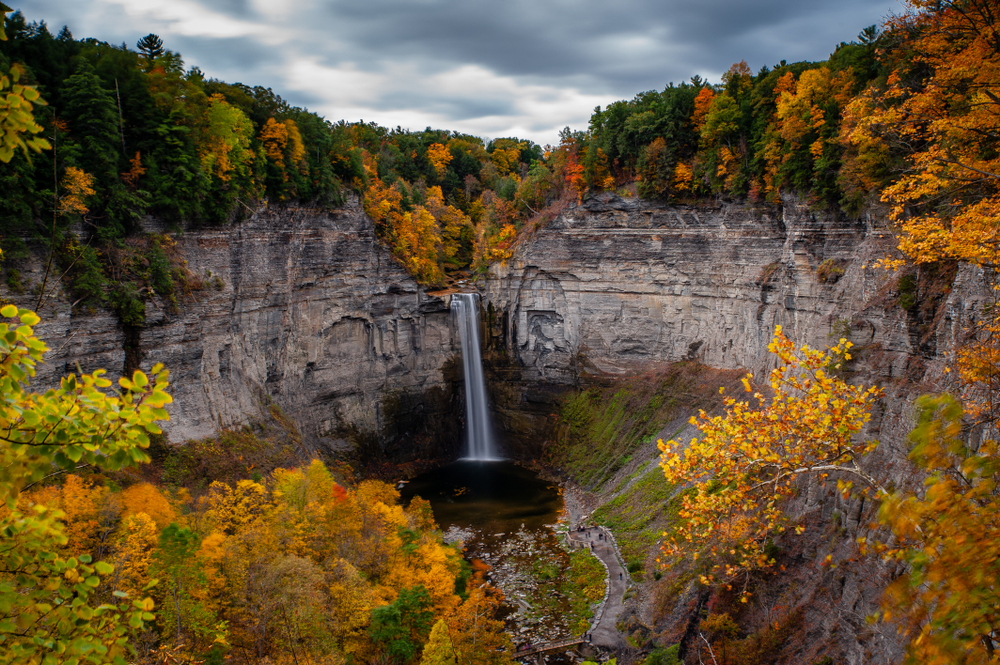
(591, 546)
(620, 576)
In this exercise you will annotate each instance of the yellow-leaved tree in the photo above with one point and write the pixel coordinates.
(748, 460)
(48, 610)
(16, 99)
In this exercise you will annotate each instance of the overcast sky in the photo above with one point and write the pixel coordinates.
(491, 68)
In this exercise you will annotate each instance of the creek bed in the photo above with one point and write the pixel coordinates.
(512, 520)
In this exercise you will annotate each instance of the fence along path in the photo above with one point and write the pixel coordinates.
(604, 632)
(549, 646)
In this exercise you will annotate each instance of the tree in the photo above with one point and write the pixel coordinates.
(225, 146)
(47, 605)
(477, 634)
(94, 144)
(76, 187)
(937, 120)
(148, 499)
(439, 157)
(940, 113)
(656, 169)
(948, 600)
(748, 460)
(182, 582)
(151, 48)
(438, 650)
(402, 626)
(16, 100)
(136, 543)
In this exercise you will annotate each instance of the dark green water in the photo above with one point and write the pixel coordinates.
(491, 497)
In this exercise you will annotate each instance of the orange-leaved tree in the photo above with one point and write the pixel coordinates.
(940, 111)
(748, 460)
(939, 116)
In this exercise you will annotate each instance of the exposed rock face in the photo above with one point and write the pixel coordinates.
(303, 307)
(615, 284)
(311, 312)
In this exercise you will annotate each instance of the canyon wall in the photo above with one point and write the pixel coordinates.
(615, 286)
(300, 306)
(305, 308)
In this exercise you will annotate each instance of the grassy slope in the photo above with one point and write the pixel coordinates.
(607, 443)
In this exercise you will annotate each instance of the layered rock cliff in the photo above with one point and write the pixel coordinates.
(306, 309)
(615, 286)
(302, 307)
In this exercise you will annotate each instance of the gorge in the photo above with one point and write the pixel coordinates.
(432, 397)
(310, 312)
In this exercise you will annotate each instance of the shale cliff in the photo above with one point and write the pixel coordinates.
(615, 286)
(302, 307)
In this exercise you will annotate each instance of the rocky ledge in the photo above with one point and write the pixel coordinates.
(301, 306)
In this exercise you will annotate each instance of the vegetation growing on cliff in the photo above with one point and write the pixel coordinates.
(151, 137)
(746, 463)
(601, 427)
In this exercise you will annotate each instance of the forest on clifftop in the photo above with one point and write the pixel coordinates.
(133, 133)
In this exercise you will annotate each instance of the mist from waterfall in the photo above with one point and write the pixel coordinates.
(465, 309)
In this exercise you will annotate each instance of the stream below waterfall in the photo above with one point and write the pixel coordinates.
(512, 520)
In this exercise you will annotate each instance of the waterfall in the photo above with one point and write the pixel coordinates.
(465, 309)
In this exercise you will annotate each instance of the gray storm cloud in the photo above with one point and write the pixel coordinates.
(474, 65)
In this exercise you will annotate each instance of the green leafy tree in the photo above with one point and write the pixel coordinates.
(94, 144)
(48, 609)
(947, 601)
(150, 46)
(176, 566)
(402, 626)
(16, 100)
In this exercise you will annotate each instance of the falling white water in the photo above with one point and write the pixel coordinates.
(464, 307)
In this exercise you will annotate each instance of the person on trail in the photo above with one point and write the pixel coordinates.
(591, 545)
(620, 576)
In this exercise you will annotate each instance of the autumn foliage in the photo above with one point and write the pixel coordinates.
(297, 565)
(748, 460)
